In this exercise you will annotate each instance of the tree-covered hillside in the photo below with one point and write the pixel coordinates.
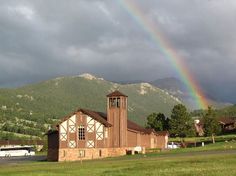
(30, 110)
(229, 111)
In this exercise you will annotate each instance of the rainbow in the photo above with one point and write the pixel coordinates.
(176, 61)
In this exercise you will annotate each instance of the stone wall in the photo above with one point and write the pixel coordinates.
(75, 154)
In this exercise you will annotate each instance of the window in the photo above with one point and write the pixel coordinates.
(118, 102)
(81, 132)
(112, 102)
(81, 153)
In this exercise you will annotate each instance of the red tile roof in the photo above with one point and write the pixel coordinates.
(116, 94)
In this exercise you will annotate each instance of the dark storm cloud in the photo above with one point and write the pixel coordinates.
(44, 39)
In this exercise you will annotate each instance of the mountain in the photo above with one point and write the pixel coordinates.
(30, 110)
(130, 82)
(229, 111)
(177, 88)
(171, 84)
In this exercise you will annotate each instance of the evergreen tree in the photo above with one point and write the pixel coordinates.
(158, 122)
(211, 126)
(181, 124)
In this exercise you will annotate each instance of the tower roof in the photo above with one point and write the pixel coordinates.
(116, 94)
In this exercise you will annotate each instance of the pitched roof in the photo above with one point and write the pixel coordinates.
(102, 118)
(162, 133)
(133, 126)
(116, 94)
(226, 120)
(222, 120)
(130, 125)
(99, 116)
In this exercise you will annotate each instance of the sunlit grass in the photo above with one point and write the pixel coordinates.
(221, 138)
(167, 163)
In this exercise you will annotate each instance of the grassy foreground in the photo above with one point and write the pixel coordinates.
(153, 164)
(220, 138)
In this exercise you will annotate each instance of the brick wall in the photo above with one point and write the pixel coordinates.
(145, 140)
(162, 142)
(132, 139)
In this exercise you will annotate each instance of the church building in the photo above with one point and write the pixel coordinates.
(87, 134)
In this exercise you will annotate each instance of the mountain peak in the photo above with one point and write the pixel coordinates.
(89, 76)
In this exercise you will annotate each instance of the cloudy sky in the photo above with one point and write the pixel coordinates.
(40, 40)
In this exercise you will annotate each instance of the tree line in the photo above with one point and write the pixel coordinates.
(180, 124)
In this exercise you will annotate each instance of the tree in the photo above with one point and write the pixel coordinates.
(181, 124)
(158, 122)
(211, 126)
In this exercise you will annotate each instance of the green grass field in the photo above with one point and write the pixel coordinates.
(211, 165)
(212, 160)
(219, 146)
(220, 138)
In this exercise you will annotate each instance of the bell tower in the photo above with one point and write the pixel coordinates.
(117, 117)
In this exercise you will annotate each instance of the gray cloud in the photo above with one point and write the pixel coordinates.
(40, 40)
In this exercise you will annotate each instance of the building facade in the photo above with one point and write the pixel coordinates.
(87, 134)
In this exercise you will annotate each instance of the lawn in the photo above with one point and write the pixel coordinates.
(221, 138)
(219, 146)
(164, 164)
